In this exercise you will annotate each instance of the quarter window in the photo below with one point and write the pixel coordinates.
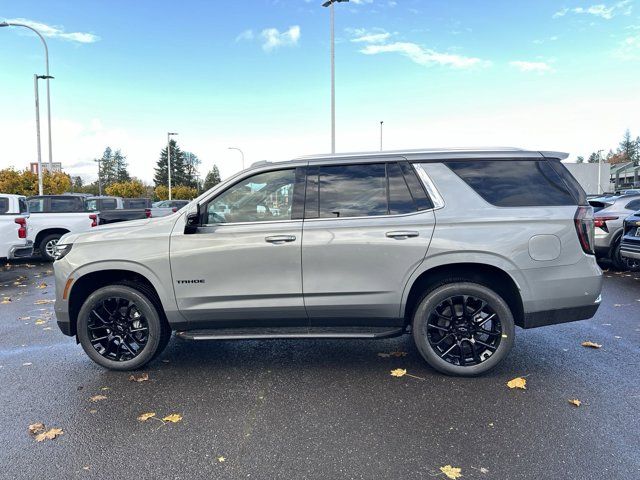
(635, 205)
(264, 197)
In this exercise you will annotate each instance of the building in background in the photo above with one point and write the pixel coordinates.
(33, 166)
(587, 175)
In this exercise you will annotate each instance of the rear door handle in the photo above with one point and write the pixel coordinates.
(280, 239)
(402, 234)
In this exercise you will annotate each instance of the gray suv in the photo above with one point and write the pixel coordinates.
(455, 247)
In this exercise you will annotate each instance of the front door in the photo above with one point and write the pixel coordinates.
(242, 267)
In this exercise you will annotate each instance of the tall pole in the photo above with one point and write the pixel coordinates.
(46, 64)
(599, 171)
(35, 88)
(381, 122)
(333, 83)
(99, 160)
(241, 153)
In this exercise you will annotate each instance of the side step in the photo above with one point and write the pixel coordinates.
(291, 332)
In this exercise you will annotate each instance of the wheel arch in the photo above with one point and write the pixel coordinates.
(486, 274)
(46, 232)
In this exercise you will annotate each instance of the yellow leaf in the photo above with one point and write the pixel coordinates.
(451, 472)
(6, 300)
(575, 402)
(173, 418)
(49, 434)
(98, 398)
(36, 428)
(221, 459)
(142, 378)
(146, 416)
(104, 389)
(518, 382)
(42, 285)
(591, 344)
(40, 322)
(43, 302)
(398, 372)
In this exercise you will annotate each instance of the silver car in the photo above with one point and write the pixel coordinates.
(609, 216)
(455, 247)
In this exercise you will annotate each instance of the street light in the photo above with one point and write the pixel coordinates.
(600, 171)
(329, 3)
(241, 153)
(99, 172)
(381, 122)
(169, 134)
(46, 76)
(37, 99)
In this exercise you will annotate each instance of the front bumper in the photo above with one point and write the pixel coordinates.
(21, 251)
(629, 249)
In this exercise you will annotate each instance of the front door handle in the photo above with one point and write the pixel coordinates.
(402, 234)
(280, 239)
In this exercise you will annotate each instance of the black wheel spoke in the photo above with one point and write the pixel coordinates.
(437, 327)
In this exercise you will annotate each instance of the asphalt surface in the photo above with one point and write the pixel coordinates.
(320, 409)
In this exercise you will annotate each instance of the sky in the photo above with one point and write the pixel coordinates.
(540, 74)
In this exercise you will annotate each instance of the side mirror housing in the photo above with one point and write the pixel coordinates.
(192, 221)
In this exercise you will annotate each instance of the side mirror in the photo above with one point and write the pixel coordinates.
(192, 221)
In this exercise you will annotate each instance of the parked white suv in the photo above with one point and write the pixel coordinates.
(13, 227)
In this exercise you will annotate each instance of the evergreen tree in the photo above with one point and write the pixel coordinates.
(77, 184)
(191, 163)
(580, 159)
(593, 158)
(212, 179)
(120, 166)
(628, 148)
(178, 168)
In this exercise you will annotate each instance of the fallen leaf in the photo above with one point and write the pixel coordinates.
(104, 389)
(518, 382)
(36, 428)
(98, 398)
(173, 418)
(43, 302)
(93, 411)
(42, 285)
(451, 472)
(575, 402)
(49, 434)
(142, 378)
(40, 322)
(591, 345)
(146, 416)
(27, 364)
(398, 372)
(6, 300)
(384, 355)
(24, 318)
(398, 354)
(221, 459)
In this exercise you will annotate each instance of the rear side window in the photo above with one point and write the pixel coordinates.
(4, 205)
(635, 205)
(400, 200)
(514, 183)
(36, 205)
(572, 184)
(135, 203)
(65, 204)
(108, 204)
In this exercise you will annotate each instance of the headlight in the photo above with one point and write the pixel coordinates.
(62, 250)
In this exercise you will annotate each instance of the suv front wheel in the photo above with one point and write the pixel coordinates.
(120, 327)
(463, 328)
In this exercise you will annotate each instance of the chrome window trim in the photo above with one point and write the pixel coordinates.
(432, 191)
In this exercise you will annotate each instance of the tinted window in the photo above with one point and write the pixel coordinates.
(36, 205)
(135, 203)
(635, 205)
(91, 205)
(22, 203)
(352, 191)
(574, 187)
(514, 183)
(261, 198)
(108, 204)
(400, 200)
(415, 187)
(4, 205)
(63, 204)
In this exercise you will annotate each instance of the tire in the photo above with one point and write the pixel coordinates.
(133, 349)
(440, 341)
(621, 263)
(47, 246)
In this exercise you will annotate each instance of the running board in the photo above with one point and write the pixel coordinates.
(289, 333)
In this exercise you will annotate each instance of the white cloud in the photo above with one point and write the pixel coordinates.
(360, 35)
(538, 67)
(425, 56)
(51, 31)
(601, 10)
(361, 2)
(273, 38)
(629, 48)
(246, 35)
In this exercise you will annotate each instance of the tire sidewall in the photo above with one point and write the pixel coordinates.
(439, 294)
(43, 246)
(145, 306)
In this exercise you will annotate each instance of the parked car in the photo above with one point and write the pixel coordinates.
(54, 215)
(609, 216)
(455, 247)
(14, 214)
(117, 209)
(630, 246)
(165, 207)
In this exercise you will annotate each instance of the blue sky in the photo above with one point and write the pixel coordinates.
(255, 74)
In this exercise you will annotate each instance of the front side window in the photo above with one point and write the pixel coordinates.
(263, 197)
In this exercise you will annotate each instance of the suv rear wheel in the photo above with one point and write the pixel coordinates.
(120, 328)
(463, 328)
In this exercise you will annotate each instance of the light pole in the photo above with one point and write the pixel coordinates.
(381, 122)
(169, 134)
(99, 180)
(46, 75)
(241, 153)
(329, 3)
(599, 171)
(37, 99)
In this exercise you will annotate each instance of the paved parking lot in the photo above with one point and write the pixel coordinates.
(319, 409)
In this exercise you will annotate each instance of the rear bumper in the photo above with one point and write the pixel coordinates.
(563, 315)
(21, 251)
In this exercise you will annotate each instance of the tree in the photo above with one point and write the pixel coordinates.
(129, 189)
(212, 179)
(55, 183)
(178, 168)
(120, 166)
(628, 148)
(76, 184)
(191, 163)
(161, 192)
(113, 167)
(26, 182)
(580, 159)
(183, 192)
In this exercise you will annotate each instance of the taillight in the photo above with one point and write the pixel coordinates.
(601, 222)
(174, 209)
(22, 229)
(94, 220)
(147, 212)
(584, 223)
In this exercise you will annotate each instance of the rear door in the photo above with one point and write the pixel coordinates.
(366, 229)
